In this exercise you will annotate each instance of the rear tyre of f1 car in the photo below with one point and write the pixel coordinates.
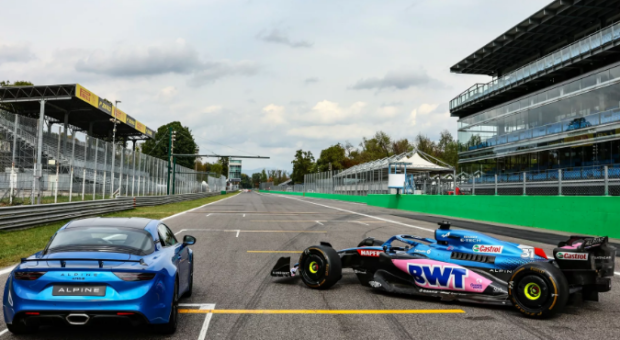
(538, 290)
(320, 267)
(171, 326)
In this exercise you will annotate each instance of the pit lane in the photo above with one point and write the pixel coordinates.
(234, 296)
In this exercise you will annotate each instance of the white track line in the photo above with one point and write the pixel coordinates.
(4, 331)
(238, 231)
(360, 222)
(319, 223)
(356, 213)
(208, 215)
(183, 212)
(205, 324)
(6, 270)
(375, 217)
(243, 215)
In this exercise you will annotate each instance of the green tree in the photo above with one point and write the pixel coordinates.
(255, 179)
(184, 143)
(224, 162)
(17, 83)
(448, 148)
(263, 176)
(246, 182)
(302, 164)
(335, 155)
(217, 169)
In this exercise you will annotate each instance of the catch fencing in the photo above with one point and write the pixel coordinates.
(600, 180)
(78, 167)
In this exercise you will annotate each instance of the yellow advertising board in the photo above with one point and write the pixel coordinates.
(120, 115)
(87, 96)
(140, 127)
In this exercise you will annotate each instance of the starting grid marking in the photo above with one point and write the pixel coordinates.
(238, 231)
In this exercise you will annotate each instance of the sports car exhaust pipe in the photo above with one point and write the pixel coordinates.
(77, 319)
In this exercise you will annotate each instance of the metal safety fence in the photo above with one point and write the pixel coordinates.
(77, 167)
(600, 180)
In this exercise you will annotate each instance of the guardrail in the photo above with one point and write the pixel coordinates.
(147, 201)
(31, 215)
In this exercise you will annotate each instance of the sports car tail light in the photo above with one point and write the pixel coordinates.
(125, 314)
(28, 276)
(540, 252)
(134, 276)
(32, 313)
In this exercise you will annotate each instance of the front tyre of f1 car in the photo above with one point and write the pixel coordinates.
(538, 290)
(320, 267)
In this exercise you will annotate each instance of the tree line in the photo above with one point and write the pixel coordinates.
(342, 156)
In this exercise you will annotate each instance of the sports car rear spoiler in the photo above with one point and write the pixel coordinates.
(63, 262)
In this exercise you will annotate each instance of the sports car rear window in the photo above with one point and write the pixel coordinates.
(122, 240)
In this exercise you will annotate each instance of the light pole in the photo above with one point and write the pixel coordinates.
(115, 121)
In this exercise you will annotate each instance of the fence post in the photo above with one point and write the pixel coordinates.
(133, 179)
(606, 181)
(105, 166)
(524, 184)
(473, 190)
(120, 172)
(83, 182)
(495, 184)
(95, 170)
(559, 182)
(56, 186)
(71, 176)
(38, 174)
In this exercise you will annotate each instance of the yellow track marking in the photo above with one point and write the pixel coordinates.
(276, 251)
(322, 311)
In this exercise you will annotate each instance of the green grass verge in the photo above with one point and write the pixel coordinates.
(22, 243)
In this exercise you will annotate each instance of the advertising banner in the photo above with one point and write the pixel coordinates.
(131, 122)
(140, 127)
(87, 96)
(120, 115)
(150, 133)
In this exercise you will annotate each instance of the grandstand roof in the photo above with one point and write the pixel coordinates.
(87, 111)
(551, 28)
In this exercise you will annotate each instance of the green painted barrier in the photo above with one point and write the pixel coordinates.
(223, 192)
(591, 215)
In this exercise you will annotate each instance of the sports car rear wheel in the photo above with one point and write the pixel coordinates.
(320, 267)
(173, 320)
(21, 328)
(538, 289)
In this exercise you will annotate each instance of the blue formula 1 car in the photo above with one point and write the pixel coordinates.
(466, 266)
(99, 270)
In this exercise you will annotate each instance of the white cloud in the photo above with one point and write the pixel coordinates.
(398, 80)
(273, 114)
(277, 36)
(15, 53)
(331, 133)
(167, 93)
(327, 112)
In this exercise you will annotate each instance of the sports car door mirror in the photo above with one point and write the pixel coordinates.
(189, 240)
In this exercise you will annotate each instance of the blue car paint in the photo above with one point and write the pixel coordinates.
(462, 241)
(150, 298)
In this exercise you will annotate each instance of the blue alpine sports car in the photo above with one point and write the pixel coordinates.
(102, 269)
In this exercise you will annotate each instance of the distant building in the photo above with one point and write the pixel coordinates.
(234, 170)
(554, 99)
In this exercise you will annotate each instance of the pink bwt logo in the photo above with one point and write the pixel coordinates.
(441, 275)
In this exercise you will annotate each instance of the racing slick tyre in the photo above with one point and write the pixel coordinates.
(538, 290)
(171, 326)
(320, 267)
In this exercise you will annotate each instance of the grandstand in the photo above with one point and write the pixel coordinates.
(550, 116)
(78, 159)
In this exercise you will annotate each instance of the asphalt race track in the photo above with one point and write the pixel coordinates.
(240, 239)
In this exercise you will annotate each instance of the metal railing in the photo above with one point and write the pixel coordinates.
(603, 37)
(78, 167)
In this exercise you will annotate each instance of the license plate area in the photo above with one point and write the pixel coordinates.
(83, 290)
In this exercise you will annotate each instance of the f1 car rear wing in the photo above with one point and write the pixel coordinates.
(585, 253)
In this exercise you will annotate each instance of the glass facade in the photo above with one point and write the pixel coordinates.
(234, 169)
(572, 125)
(590, 101)
(588, 44)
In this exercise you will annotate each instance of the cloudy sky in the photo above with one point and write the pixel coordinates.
(261, 77)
